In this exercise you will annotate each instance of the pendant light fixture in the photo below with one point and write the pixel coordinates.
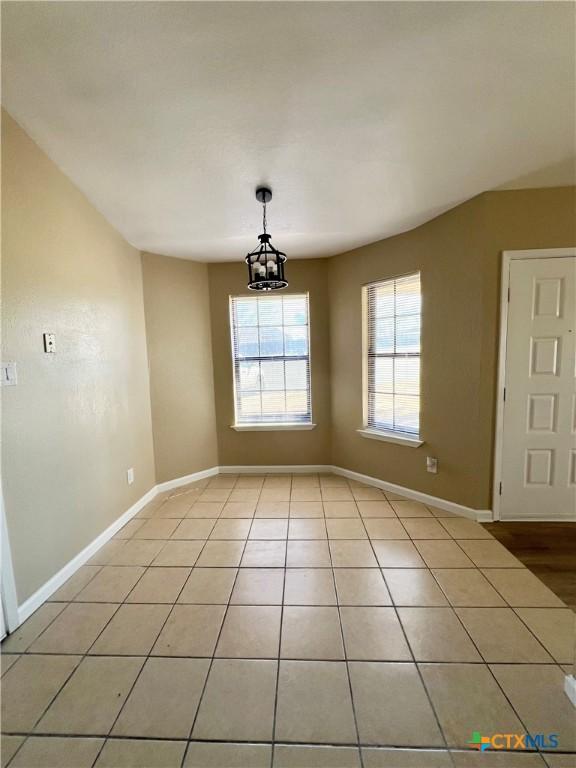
(265, 263)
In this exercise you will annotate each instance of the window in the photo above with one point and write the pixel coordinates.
(270, 348)
(392, 356)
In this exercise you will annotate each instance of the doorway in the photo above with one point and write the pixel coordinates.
(535, 473)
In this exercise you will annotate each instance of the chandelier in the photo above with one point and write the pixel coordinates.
(265, 263)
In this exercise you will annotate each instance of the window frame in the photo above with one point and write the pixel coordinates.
(399, 437)
(270, 426)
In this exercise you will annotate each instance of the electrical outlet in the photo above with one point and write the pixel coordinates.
(432, 464)
(130, 475)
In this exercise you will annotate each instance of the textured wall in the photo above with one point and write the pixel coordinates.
(79, 418)
(177, 312)
(458, 255)
(301, 447)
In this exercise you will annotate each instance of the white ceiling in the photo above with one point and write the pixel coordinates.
(367, 119)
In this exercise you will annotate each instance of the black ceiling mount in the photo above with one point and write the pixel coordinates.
(263, 194)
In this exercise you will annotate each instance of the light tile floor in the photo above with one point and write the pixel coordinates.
(289, 621)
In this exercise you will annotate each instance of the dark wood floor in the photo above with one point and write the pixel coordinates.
(547, 549)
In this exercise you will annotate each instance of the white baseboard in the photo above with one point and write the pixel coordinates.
(41, 595)
(55, 582)
(169, 485)
(539, 519)
(279, 469)
(570, 688)
(480, 515)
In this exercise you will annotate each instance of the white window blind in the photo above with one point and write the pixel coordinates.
(270, 348)
(392, 368)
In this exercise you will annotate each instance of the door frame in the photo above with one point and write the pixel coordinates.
(8, 583)
(507, 258)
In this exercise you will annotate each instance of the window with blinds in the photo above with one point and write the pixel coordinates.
(392, 355)
(270, 348)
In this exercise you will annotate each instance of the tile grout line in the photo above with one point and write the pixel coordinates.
(350, 688)
(30, 733)
(481, 662)
(72, 672)
(414, 567)
(67, 603)
(272, 751)
(432, 707)
(507, 606)
(51, 600)
(488, 667)
(347, 745)
(211, 662)
(517, 615)
(484, 662)
(455, 608)
(427, 568)
(147, 657)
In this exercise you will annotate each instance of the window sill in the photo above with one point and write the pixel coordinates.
(271, 427)
(391, 437)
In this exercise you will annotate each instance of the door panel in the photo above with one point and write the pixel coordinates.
(539, 448)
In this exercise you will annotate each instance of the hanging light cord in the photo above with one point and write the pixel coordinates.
(264, 216)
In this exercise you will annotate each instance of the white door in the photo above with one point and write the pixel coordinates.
(539, 450)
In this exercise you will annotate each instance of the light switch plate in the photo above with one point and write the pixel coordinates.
(130, 475)
(49, 343)
(9, 375)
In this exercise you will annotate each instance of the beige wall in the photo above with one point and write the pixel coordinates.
(79, 418)
(248, 448)
(458, 255)
(177, 312)
(515, 220)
